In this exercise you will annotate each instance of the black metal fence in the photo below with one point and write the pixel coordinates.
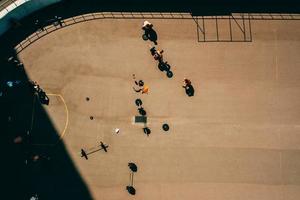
(231, 28)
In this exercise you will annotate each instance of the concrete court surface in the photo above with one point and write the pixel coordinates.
(238, 138)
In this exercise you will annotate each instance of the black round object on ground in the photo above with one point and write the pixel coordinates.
(165, 127)
(91, 117)
(130, 190)
(145, 37)
(132, 167)
(161, 67)
(167, 66)
(169, 74)
(147, 131)
(189, 90)
(138, 102)
(87, 99)
(164, 66)
(142, 111)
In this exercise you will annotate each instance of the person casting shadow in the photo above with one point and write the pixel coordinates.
(157, 54)
(149, 33)
(147, 131)
(144, 89)
(189, 89)
(162, 65)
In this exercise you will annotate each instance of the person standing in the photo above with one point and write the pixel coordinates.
(149, 32)
(187, 85)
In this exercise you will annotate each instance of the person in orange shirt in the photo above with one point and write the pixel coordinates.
(145, 89)
(142, 88)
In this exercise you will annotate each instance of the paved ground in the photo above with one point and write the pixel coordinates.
(238, 138)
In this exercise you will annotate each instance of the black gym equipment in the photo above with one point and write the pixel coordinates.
(165, 127)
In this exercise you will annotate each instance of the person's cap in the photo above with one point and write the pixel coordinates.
(146, 22)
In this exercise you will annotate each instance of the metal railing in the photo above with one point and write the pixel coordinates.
(93, 16)
(230, 28)
(274, 16)
(5, 3)
(239, 22)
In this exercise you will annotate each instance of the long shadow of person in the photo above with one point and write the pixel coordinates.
(152, 35)
(164, 66)
(149, 32)
(189, 90)
(147, 131)
(142, 111)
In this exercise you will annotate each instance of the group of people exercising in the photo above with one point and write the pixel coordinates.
(150, 34)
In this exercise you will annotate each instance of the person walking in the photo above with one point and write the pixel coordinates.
(157, 54)
(187, 85)
(149, 33)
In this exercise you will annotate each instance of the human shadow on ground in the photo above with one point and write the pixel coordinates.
(150, 35)
(142, 111)
(189, 90)
(164, 66)
(147, 131)
(138, 102)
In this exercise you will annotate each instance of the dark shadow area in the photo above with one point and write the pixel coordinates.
(142, 111)
(138, 102)
(40, 128)
(48, 170)
(150, 35)
(189, 90)
(170, 74)
(147, 131)
(164, 66)
(132, 167)
(131, 190)
(85, 153)
(165, 127)
(31, 164)
(140, 119)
